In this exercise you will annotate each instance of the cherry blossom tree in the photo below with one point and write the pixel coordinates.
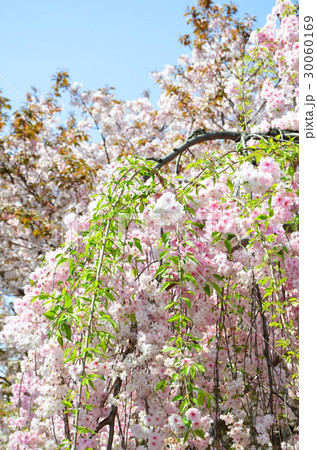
(168, 318)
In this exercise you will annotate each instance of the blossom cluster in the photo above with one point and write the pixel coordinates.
(259, 179)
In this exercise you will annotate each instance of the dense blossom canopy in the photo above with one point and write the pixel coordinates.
(169, 316)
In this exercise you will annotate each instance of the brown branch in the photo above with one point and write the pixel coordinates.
(7, 382)
(110, 420)
(266, 352)
(222, 135)
(147, 266)
(66, 425)
(53, 427)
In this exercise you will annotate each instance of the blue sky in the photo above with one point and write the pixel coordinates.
(100, 42)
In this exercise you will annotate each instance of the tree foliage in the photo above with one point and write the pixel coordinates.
(168, 318)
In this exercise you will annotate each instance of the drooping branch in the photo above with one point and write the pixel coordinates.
(236, 136)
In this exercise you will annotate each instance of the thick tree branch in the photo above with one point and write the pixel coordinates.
(5, 381)
(235, 136)
(110, 420)
(266, 352)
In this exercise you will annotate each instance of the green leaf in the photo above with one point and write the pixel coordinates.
(230, 184)
(67, 300)
(189, 277)
(201, 398)
(176, 377)
(108, 294)
(67, 403)
(85, 430)
(162, 254)
(160, 271)
(174, 318)
(160, 385)
(218, 277)
(67, 330)
(177, 398)
(228, 245)
(61, 261)
(207, 289)
(270, 201)
(184, 405)
(179, 342)
(196, 347)
(169, 305)
(173, 350)
(109, 319)
(60, 341)
(217, 237)
(188, 302)
(200, 367)
(216, 287)
(137, 243)
(187, 422)
(175, 260)
(185, 371)
(199, 433)
(50, 315)
(71, 266)
(89, 407)
(167, 284)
